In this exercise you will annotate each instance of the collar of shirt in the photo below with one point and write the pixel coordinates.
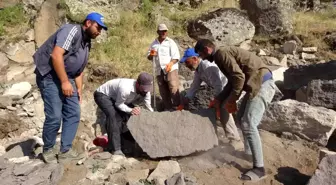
(166, 39)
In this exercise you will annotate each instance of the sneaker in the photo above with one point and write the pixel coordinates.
(69, 156)
(118, 152)
(50, 156)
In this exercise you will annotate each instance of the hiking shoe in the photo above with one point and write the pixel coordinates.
(70, 155)
(118, 152)
(50, 156)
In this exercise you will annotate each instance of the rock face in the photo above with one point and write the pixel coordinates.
(270, 17)
(226, 26)
(299, 76)
(313, 123)
(322, 93)
(325, 173)
(180, 133)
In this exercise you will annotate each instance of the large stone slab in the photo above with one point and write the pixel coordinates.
(325, 174)
(299, 76)
(312, 123)
(322, 93)
(179, 133)
(226, 26)
(270, 17)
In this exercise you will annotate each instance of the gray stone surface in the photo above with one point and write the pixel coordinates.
(313, 123)
(26, 169)
(322, 93)
(299, 76)
(3, 61)
(325, 173)
(5, 101)
(179, 133)
(289, 47)
(24, 148)
(227, 26)
(176, 179)
(164, 171)
(270, 17)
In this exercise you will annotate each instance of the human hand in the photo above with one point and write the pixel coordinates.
(169, 67)
(79, 91)
(135, 111)
(231, 107)
(67, 88)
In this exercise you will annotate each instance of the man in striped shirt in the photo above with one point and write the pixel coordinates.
(60, 63)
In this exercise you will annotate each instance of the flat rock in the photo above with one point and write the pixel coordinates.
(178, 133)
(225, 26)
(164, 171)
(24, 53)
(307, 56)
(309, 49)
(26, 169)
(313, 123)
(18, 90)
(299, 76)
(325, 173)
(3, 61)
(322, 93)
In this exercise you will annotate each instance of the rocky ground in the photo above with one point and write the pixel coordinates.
(298, 129)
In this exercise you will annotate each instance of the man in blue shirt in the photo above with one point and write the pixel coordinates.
(60, 62)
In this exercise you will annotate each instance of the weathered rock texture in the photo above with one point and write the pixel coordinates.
(179, 133)
(270, 16)
(226, 26)
(164, 170)
(322, 93)
(192, 3)
(299, 76)
(312, 123)
(325, 173)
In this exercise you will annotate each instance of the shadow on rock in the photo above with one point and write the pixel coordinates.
(291, 176)
(21, 149)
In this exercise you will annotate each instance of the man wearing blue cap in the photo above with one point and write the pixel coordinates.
(209, 73)
(60, 63)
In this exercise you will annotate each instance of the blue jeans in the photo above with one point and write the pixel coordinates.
(250, 115)
(57, 108)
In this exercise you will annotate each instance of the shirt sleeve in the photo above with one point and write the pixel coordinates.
(174, 51)
(120, 101)
(216, 78)
(148, 102)
(66, 37)
(195, 85)
(234, 72)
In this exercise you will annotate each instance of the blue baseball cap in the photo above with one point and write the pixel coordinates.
(190, 52)
(97, 17)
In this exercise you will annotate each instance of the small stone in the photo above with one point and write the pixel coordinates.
(30, 35)
(5, 101)
(290, 47)
(19, 159)
(309, 49)
(307, 56)
(23, 114)
(262, 53)
(11, 108)
(164, 170)
(19, 89)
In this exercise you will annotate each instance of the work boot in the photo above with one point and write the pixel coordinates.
(70, 155)
(118, 152)
(50, 155)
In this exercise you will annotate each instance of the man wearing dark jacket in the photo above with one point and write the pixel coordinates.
(60, 62)
(245, 72)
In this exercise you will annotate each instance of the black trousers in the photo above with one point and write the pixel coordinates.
(115, 119)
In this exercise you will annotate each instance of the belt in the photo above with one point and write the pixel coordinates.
(267, 76)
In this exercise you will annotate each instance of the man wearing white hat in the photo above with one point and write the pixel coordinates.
(165, 55)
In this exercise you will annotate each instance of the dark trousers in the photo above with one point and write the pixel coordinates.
(115, 119)
(169, 89)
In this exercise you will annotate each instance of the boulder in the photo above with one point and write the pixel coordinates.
(18, 90)
(3, 61)
(164, 171)
(325, 173)
(270, 17)
(299, 76)
(179, 133)
(322, 93)
(24, 53)
(226, 26)
(312, 123)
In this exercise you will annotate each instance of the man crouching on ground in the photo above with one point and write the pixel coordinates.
(209, 73)
(60, 63)
(245, 72)
(116, 98)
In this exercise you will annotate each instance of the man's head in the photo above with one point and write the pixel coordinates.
(190, 58)
(144, 83)
(162, 31)
(93, 24)
(205, 48)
